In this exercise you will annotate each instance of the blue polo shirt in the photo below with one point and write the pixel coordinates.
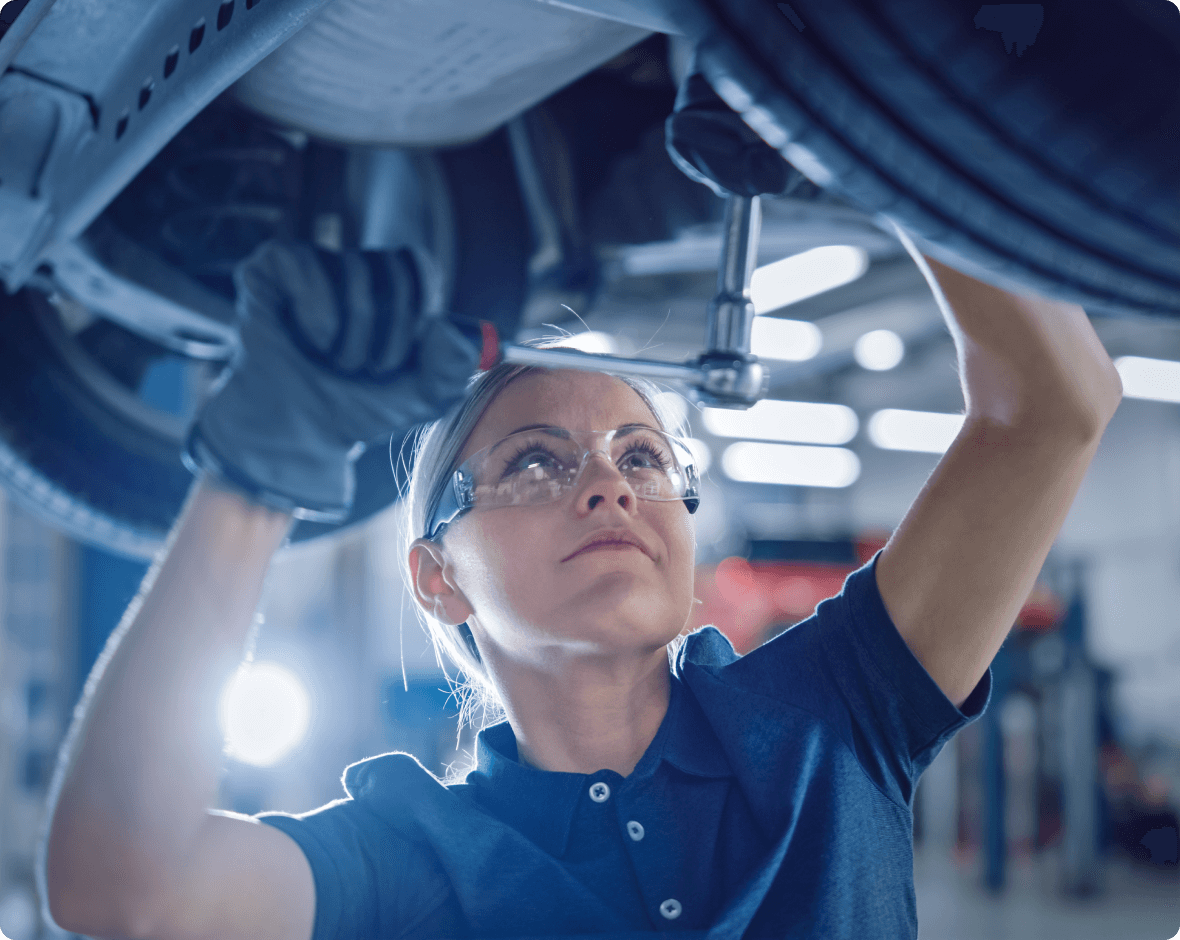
(776, 800)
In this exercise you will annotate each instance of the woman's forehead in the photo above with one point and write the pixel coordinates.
(565, 398)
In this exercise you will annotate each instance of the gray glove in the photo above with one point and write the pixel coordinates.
(335, 353)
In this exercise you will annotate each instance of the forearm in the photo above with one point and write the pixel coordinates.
(1023, 359)
(143, 757)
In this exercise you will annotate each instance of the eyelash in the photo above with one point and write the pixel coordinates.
(657, 458)
(643, 446)
(527, 449)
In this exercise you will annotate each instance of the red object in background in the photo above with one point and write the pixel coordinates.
(751, 601)
(868, 544)
(746, 600)
(1043, 610)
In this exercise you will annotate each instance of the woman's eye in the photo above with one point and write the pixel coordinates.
(644, 459)
(533, 459)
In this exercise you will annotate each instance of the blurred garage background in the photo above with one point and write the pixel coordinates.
(1053, 816)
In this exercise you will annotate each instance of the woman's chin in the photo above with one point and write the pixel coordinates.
(622, 622)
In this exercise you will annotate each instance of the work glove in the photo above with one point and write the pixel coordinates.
(335, 352)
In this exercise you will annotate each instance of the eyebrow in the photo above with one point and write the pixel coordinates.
(529, 427)
(538, 427)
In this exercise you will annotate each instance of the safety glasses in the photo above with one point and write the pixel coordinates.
(541, 464)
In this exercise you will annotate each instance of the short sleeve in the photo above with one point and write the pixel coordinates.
(369, 880)
(848, 666)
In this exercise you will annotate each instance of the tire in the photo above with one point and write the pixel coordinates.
(83, 446)
(1048, 160)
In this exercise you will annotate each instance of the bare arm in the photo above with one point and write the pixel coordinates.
(132, 848)
(1040, 390)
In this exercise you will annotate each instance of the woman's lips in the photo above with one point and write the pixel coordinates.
(608, 546)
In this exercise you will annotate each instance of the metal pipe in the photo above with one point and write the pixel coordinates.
(731, 312)
(725, 375)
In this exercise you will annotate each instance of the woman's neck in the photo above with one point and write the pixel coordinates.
(582, 721)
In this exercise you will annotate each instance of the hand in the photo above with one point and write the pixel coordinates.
(335, 353)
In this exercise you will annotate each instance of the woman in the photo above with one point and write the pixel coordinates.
(768, 795)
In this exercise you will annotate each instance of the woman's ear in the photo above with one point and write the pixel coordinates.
(433, 584)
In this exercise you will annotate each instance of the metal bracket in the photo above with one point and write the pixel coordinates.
(109, 274)
(726, 374)
(22, 27)
(139, 72)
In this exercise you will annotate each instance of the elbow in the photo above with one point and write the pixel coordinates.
(80, 909)
(1099, 395)
(1091, 419)
(67, 899)
(1062, 416)
(61, 890)
(69, 909)
(91, 895)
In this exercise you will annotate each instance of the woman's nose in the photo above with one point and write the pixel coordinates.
(602, 481)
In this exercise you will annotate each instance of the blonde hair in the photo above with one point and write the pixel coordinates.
(435, 452)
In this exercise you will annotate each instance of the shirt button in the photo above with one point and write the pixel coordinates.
(635, 830)
(599, 792)
(670, 908)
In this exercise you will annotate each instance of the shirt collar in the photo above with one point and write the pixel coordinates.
(537, 803)
(692, 745)
(540, 804)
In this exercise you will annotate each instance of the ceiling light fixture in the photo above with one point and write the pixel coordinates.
(1153, 379)
(800, 421)
(789, 340)
(924, 431)
(790, 464)
(806, 274)
(879, 350)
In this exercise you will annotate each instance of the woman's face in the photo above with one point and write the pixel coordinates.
(530, 599)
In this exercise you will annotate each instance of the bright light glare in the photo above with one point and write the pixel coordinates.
(879, 350)
(805, 275)
(768, 420)
(790, 464)
(926, 431)
(592, 341)
(791, 340)
(701, 454)
(1155, 379)
(264, 713)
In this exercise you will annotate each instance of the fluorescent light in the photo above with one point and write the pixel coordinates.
(790, 464)
(701, 454)
(805, 275)
(791, 340)
(879, 350)
(264, 713)
(1155, 379)
(768, 420)
(926, 431)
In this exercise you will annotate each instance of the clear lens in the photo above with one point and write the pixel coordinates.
(538, 466)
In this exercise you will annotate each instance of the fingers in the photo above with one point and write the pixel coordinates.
(393, 289)
(354, 313)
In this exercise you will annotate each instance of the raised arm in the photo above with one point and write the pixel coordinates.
(336, 353)
(1039, 391)
(132, 849)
